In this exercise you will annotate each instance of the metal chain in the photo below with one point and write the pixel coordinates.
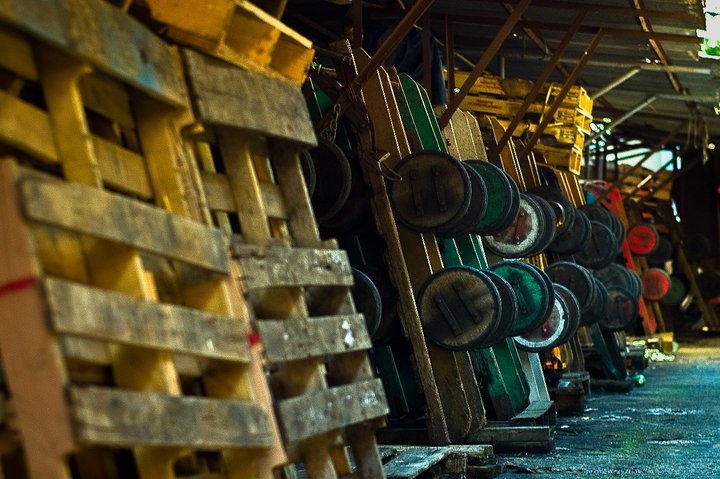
(330, 132)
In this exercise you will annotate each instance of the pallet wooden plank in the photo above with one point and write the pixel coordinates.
(414, 461)
(274, 200)
(107, 38)
(17, 54)
(103, 35)
(217, 191)
(97, 314)
(292, 339)
(319, 412)
(113, 417)
(264, 267)
(255, 102)
(121, 168)
(507, 433)
(47, 429)
(112, 217)
(27, 128)
(108, 98)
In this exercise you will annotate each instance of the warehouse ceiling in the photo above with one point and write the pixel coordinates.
(653, 43)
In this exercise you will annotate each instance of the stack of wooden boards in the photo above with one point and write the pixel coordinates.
(167, 307)
(643, 180)
(562, 142)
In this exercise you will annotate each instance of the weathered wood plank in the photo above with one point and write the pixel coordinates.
(313, 414)
(291, 339)
(227, 95)
(47, 429)
(108, 98)
(508, 433)
(17, 55)
(274, 200)
(115, 417)
(93, 313)
(121, 168)
(113, 217)
(414, 461)
(263, 267)
(217, 191)
(103, 35)
(27, 128)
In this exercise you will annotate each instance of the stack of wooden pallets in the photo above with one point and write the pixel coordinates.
(563, 139)
(167, 308)
(648, 180)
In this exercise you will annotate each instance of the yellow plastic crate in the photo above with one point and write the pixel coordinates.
(568, 158)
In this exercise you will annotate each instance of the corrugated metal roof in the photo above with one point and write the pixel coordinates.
(477, 22)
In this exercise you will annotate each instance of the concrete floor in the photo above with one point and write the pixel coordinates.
(669, 428)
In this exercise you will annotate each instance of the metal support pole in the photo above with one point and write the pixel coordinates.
(427, 54)
(615, 83)
(642, 160)
(384, 50)
(450, 57)
(574, 75)
(357, 17)
(484, 61)
(624, 117)
(539, 83)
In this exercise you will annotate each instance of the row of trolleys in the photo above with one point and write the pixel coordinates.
(465, 308)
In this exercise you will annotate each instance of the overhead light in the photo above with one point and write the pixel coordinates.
(607, 119)
(711, 146)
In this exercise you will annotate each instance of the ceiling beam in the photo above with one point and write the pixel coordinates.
(657, 47)
(540, 42)
(591, 7)
(538, 83)
(507, 25)
(588, 29)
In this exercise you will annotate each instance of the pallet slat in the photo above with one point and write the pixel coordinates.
(254, 103)
(122, 168)
(316, 413)
(113, 217)
(265, 267)
(414, 461)
(21, 60)
(26, 128)
(97, 32)
(289, 339)
(93, 313)
(114, 417)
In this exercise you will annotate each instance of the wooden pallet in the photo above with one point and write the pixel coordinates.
(562, 134)
(251, 131)
(409, 462)
(576, 97)
(108, 121)
(75, 110)
(249, 35)
(131, 335)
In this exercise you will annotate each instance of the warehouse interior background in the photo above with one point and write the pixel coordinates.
(325, 239)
